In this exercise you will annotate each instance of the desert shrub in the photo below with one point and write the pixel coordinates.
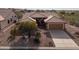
(77, 33)
(13, 32)
(72, 13)
(38, 34)
(62, 12)
(11, 38)
(37, 37)
(36, 40)
(19, 14)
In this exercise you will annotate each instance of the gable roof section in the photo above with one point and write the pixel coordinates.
(54, 19)
(37, 14)
(28, 19)
(6, 12)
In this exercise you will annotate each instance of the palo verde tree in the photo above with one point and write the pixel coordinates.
(27, 27)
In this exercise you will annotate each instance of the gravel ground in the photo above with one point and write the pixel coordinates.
(72, 29)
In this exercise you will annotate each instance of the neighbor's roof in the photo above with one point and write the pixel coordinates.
(28, 19)
(37, 14)
(1, 18)
(54, 19)
(6, 12)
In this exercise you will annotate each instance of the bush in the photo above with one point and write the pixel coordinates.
(62, 12)
(77, 33)
(72, 13)
(11, 38)
(77, 24)
(13, 32)
(50, 44)
(38, 34)
(19, 14)
(36, 40)
(37, 37)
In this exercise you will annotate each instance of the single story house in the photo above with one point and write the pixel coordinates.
(54, 23)
(7, 17)
(48, 20)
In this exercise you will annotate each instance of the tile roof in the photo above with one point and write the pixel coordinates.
(5, 12)
(37, 14)
(54, 19)
(28, 19)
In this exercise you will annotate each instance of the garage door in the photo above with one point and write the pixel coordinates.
(56, 26)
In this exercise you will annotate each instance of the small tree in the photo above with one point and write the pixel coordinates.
(19, 14)
(27, 27)
(37, 37)
(13, 33)
(62, 12)
(38, 34)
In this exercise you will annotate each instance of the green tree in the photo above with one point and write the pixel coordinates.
(27, 27)
(62, 12)
(37, 37)
(13, 33)
(19, 14)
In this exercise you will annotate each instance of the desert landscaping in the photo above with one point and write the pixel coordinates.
(39, 29)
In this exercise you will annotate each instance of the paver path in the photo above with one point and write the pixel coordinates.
(62, 39)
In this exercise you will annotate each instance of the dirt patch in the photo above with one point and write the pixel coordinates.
(71, 30)
(46, 39)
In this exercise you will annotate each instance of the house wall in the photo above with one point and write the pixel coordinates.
(10, 18)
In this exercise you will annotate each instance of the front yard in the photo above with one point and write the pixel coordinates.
(27, 34)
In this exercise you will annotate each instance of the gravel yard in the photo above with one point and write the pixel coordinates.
(72, 29)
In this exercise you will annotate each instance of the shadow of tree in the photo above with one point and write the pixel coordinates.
(19, 43)
(24, 44)
(47, 34)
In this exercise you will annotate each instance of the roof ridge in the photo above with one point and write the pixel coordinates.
(37, 13)
(49, 18)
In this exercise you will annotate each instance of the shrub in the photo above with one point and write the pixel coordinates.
(62, 12)
(36, 40)
(38, 34)
(13, 32)
(37, 37)
(19, 14)
(50, 44)
(11, 38)
(77, 33)
(72, 13)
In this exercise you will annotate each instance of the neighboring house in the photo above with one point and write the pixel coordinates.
(7, 17)
(47, 20)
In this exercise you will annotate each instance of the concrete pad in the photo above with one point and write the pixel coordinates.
(62, 39)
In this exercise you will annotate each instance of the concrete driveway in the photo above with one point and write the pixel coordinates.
(62, 39)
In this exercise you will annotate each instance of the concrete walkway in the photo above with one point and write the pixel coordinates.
(62, 39)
